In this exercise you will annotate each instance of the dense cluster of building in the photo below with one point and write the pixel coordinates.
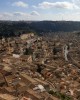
(35, 68)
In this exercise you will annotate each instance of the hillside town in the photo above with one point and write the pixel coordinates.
(35, 67)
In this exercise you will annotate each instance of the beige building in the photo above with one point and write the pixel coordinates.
(26, 36)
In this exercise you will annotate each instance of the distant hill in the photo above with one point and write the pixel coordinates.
(12, 28)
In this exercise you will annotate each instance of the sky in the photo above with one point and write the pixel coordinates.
(54, 10)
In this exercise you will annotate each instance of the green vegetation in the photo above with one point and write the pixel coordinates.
(16, 28)
(60, 95)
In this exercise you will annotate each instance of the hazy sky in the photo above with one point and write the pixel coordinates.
(40, 10)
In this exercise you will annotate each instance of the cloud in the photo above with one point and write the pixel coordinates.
(77, 2)
(7, 14)
(62, 5)
(27, 16)
(35, 13)
(20, 4)
(19, 14)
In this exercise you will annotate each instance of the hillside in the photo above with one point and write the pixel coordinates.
(11, 28)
